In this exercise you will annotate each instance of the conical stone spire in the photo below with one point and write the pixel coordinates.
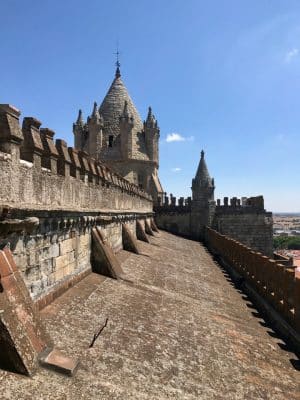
(112, 107)
(202, 175)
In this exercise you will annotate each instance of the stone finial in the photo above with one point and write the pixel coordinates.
(95, 116)
(150, 121)
(80, 118)
(118, 72)
(202, 154)
(226, 201)
(95, 112)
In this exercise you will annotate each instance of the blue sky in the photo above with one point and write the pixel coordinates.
(222, 75)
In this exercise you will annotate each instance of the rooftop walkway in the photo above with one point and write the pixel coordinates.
(177, 329)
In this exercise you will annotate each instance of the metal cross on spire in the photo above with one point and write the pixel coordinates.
(118, 64)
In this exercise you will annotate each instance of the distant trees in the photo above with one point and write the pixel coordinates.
(287, 242)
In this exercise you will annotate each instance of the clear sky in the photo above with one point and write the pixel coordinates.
(222, 75)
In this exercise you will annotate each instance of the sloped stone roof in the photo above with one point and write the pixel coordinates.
(111, 109)
(202, 175)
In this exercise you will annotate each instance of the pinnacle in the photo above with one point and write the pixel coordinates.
(202, 175)
(79, 118)
(118, 72)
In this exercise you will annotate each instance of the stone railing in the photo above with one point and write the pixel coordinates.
(273, 281)
(38, 172)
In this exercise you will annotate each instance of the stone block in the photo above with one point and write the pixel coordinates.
(59, 362)
(54, 250)
(66, 246)
(61, 261)
(46, 266)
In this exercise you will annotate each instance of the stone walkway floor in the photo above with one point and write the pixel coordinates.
(177, 329)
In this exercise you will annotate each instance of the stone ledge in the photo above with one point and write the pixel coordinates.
(61, 288)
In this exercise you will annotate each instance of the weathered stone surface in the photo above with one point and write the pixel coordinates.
(148, 228)
(129, 241)
(140, 232)
(153, 225)
(22, 334)
(115, 134)
(181, 330)
(59, 362)
(104, 260)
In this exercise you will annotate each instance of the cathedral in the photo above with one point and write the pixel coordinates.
(115, 135)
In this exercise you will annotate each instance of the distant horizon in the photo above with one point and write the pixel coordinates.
(286, 212)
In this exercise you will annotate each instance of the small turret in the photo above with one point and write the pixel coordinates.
(202, 178)
(150, 121)
(95, 127)
(95, 114)
(203, 204)
(151, 130)
(79, 118)
(78, 130)
(126, 122)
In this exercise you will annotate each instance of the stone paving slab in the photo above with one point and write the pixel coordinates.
(177, 329)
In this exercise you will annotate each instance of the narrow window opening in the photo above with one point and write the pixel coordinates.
(110, 141)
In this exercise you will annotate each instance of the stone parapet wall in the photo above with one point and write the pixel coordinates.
(51, 197)
(54, 248)
(178, 223)
(253, 227)
(273, 281)
(36, 173)
(246, 220)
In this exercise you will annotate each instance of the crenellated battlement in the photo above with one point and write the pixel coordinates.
(173, 205)
(38, 172)
(241, 205)
(256, 202)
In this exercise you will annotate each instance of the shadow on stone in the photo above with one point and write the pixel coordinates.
(140, 233)
(129, 241)
(103, 259)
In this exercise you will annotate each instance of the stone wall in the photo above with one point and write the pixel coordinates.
(177, 223)
(250, 225)
(36, 173)
(247, 222)
(57, 248)
(51, 197)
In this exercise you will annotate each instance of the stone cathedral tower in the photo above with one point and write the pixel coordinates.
(115, 134)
